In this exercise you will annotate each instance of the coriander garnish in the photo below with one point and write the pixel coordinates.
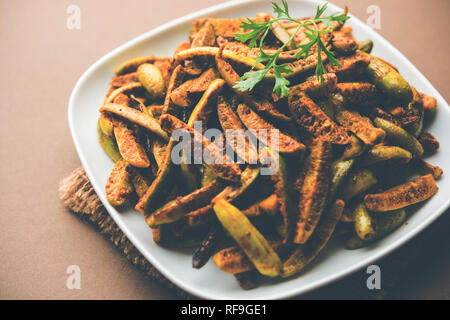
(312, 32)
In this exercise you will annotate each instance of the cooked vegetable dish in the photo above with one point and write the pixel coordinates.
(342, 132)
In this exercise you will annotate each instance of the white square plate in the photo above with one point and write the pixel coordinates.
(209, 282)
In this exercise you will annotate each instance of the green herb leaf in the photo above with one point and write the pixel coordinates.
(249, 80)
(320, 10)
(279, 11)
(281, 87)
(257, 32)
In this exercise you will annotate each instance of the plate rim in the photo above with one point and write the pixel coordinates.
(389, 248)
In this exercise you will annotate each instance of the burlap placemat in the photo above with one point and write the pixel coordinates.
(79, 196)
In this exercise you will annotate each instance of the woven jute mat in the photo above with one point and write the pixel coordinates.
(79, 196)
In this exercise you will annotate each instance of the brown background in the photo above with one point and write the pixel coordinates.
(40, 62)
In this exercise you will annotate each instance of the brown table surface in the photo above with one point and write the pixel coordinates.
(41, 61)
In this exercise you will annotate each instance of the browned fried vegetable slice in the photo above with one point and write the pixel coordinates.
(283, 181)
(253, 121)
(358, 93)
(205, 37)
(388, 80)
(123, 99)
(133, 86)
(165, 67)
(223, 27)
(204, 107)
(282, 35)
(405, 117)
(316, 87)
(365, 46)
(232, 260)
(411, 192)
(381, 153)
(429, 103)
(175, 235)
(247, 280)
(105, 123)
(234, 133)
(133, 64)
(427, 168)
(298, 67)
(354, 149)
(182, 46)
(155, 111)
(305, 253)
(339, 172)
(161, 187)
(400, 137)
(266, 207)
(347, 216)
(181, 95)
(201, 112)
(358, 182)
(133, 115)
(199, 217)
(139, 103)
(120, 81)
(429, 143)
(361, 126)
(108, 144)
(388, 63)
(223, 166)
(314, 190)
(415, 113)
(140, 182)
(175, 81)
(129, 147)
(212, 52)
(349, 66)
(343, 40)
(159, 148)
(386, 223)
(230, 193)
(380, 113)
(192, 67)
(158, 235)
(263, 106)
(202, 83)
(235, 46)
(118, 187)
(251, 241)
(313, 120)
(176, 209)
(329, 104)
(365, 225)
